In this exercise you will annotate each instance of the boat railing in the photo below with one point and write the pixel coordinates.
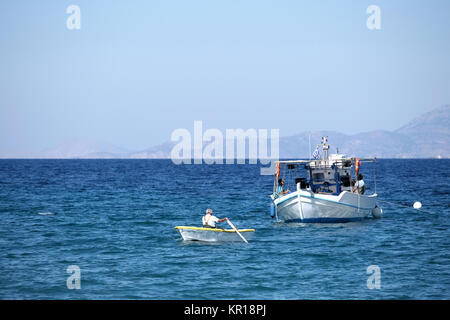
(320, 164)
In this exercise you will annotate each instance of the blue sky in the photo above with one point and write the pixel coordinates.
(137, 70)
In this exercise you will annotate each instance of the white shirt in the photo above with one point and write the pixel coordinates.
(359, 184)
(210, 220)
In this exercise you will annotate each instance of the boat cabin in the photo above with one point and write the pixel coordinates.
(332, 174)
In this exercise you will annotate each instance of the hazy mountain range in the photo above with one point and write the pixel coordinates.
(427, 136)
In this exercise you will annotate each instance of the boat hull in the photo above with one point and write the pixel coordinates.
(322, 208)
(213, 234)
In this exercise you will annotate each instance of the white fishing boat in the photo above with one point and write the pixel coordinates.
(213, 234)
(322, 189)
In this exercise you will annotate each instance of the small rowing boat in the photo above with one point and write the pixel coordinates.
(213, 234)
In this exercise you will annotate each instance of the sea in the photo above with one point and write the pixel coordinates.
(104, 229)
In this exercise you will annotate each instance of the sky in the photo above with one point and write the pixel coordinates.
(137, 70)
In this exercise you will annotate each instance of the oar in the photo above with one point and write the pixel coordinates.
(235, 229)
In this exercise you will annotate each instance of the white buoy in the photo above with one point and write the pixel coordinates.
(417, 205)
(377, 212)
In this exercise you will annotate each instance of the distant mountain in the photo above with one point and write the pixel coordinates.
(427, 136)
(161, 151)
(78, 148)
(380, 144)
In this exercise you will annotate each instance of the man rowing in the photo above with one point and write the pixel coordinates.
(210, 221)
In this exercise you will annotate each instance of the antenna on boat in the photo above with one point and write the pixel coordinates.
(325, 147)
(310, 145)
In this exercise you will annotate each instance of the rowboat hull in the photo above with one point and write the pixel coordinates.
(212, 234)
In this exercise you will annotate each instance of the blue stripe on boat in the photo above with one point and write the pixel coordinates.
(318, 198)
(325, 220)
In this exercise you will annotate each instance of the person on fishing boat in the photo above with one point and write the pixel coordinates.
(210, 221)
(359, 187)
(281, 190)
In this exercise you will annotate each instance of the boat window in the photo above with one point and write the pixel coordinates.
(345, 180)
(318, 177)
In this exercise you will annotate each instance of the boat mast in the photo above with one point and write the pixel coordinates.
(310, 146)
(325, 147)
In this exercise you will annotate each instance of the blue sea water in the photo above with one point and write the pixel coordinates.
(115, 219)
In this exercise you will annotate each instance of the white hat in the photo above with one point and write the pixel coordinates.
(209, 211)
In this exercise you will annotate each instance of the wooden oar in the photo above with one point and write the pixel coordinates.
(235, 229)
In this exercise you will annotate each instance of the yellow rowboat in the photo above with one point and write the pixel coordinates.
(212, 234)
